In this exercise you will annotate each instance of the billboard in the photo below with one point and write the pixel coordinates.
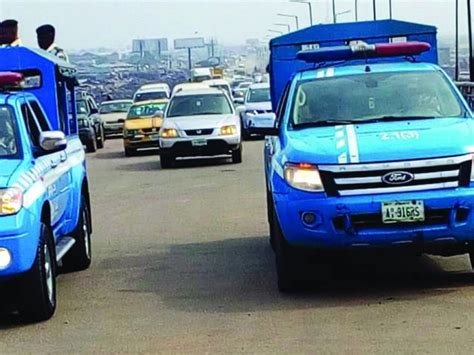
(184, 43)
(155, 45)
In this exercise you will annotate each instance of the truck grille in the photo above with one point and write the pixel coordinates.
(366, 179)
(199, 132)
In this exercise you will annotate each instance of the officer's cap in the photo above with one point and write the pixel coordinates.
(9, 24)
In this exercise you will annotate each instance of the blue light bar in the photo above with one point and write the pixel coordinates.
(363, 51)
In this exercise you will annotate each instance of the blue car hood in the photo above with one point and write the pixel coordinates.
(377, 142)
(7, 169)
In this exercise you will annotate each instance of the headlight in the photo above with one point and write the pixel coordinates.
(129, 133)
(169, 133)
(11, 201)
(304, 177)
(228, 130)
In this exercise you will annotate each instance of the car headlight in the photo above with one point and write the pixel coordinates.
(228, 130)
(303, 177)
(11, 200)
(129, 133)
(169, 133)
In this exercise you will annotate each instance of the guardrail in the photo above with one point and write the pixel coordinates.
(467, 89)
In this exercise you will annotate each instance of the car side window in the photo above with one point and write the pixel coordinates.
(34, 129)
(40, 117)
(280, 111)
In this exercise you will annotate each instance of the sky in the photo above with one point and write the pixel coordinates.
(87, 24)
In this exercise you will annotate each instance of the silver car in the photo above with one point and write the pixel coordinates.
(200, 123)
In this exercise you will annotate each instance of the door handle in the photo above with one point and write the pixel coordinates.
(54, 164)
(63, 157)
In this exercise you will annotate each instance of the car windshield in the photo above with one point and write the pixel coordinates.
(81, 107)
(373, 97)
(115, 107)
(193, 105)
(145, 110)
(152, 95)
(258, 95)
(8, 138)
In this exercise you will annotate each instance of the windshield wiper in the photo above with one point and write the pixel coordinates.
(393, 118)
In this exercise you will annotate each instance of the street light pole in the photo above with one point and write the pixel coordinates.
(356, 11)
(310, 9)
(469, 25)
(390, 8)
(375, 10)
(284, 25)
(334, 17)
(456, 47)
(293, 16)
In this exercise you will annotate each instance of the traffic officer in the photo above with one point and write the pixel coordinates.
(46, 35)
(9, 31)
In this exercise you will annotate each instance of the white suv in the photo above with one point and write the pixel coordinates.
(200, 123)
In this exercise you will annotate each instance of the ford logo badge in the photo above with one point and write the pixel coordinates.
(398, 178)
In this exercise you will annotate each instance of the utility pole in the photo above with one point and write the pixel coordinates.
(334, 17)
(190, 62)
(456, 47)
(356, 11)
(390, 8)
(375, 9)
(469, 25)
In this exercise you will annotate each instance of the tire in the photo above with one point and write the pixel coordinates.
(166, 161)
(270, 219)
(129, 152)
(471, 257)
(37, 288)
(237, 155)
(286, 259)
(80, 256)
(101, 138)
(91, 145)
(245, 135)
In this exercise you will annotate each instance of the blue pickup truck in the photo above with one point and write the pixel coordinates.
(45, 219)
(372, 149)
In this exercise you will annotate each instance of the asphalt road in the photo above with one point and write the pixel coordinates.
(182, 265)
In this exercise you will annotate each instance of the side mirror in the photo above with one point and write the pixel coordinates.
(121, 120)
(238, 100)
(53, 141)
(159, 114)
(263, 125)
(94, 111)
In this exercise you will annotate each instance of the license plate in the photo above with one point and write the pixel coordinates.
(403, 212)
(199, 142)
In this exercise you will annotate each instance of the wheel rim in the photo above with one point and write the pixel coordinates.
(85, 233)
(48, 267)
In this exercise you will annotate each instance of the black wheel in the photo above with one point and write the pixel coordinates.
(270, 218)
(286, 258)
(237, 155)
(91, 145)
(166, 161)
(37, 288)
(80, 256)
(471, 257)
(101, 138)
(129, 152)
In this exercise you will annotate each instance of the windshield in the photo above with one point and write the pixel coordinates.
(192, 105)
(8, 138)
(258, 95)
(81, 107)
(146, 110)
(378, 96)
(152, 95)
(115, 107)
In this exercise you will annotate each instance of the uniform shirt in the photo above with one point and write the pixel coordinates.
(15, 43)
(58, 52)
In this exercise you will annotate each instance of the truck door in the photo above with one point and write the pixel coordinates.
(54, 168)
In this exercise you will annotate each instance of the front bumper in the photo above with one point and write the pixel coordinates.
(348, 222)
(19, 234)
(188, 147)
(143, 142)
(113, 128)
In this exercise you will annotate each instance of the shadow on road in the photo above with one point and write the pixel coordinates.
(238, 275)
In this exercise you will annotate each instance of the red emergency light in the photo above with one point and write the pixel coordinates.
(9, 80)
(363, 51)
